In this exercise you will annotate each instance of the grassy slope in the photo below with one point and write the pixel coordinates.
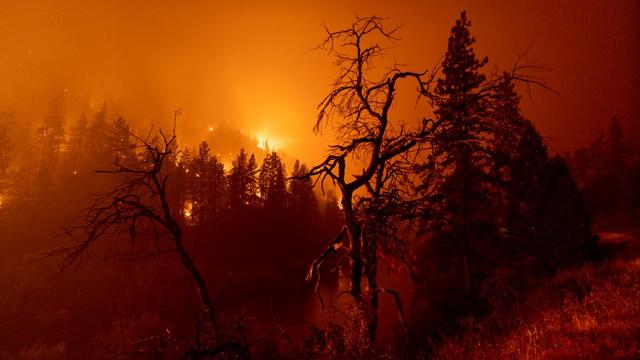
(592, 312)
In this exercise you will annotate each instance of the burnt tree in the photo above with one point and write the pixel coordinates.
(139, 206)
(370, 146)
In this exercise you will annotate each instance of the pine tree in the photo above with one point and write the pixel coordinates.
(564, 225)
(608, 162)
(200, 183)
(216, 186)
(460, 150)
(206, 185)
(302, 199)
(544, 216)
(252, 181)
(237, 181)
(616, 161)
(263, 177)
(272, 182)
(99, 154)
(242, 181)
(119, 141)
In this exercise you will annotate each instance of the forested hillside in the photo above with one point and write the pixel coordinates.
(444, 227)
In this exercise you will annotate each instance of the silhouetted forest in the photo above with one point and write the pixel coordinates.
(412, 234)
(610, 162)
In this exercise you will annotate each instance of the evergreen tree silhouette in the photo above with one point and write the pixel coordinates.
(302, 199)
(242, 181)
(460, 150)
(272, 182)
(252, 181)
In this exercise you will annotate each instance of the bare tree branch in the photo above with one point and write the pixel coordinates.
(358, 107)
(139, 206)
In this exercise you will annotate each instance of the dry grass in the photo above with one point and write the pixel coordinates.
(588, 313)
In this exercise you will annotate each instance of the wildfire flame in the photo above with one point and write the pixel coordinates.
(267, 143)
(187, 209)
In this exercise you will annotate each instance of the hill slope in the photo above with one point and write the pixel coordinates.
(591, 312)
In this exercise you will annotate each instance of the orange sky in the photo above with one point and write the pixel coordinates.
(250, 64)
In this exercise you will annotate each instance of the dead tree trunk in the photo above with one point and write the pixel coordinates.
(354, 232)
(142, 197)
(362, 106)
(208, 306)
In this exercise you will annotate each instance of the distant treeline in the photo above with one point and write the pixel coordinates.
(608, 174)
(255, 226)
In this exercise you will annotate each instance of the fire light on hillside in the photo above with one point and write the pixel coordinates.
(267, 143)
(187, 210)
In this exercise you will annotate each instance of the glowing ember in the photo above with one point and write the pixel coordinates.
(187, 210)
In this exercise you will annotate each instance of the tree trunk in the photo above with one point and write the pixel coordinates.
(363, 256)
(468, 271)
(355, 253)
(371, 244)
(201, 285)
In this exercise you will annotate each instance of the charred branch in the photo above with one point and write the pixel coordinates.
(139, 206)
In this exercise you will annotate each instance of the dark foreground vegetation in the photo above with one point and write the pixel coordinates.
(587, 312)
(454, 235)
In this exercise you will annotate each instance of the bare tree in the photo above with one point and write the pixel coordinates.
(139, 206)
(359, 105)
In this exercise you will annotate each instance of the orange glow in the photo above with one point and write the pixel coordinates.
(187, 209)
(410, 213)
(267, 143)
(249, 64)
